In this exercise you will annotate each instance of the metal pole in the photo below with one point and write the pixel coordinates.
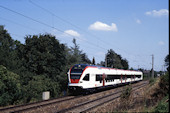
(152, 66)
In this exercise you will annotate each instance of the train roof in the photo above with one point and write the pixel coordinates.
(85, 65)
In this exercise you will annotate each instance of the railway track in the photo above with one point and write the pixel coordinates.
(72, 103)
(30, 106)
(89, 105)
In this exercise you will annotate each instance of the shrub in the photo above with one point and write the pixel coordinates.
(164, 84)
(125, 98)
(163, 106)
(126, 93)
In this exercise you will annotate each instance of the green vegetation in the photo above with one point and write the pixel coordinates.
(164, 84)
(10, 87)
(115, 60)
(40, 64)
(152, 98)
(152, 81)
(161, 95)
(125, 97)
(163, 106)
(126, 92)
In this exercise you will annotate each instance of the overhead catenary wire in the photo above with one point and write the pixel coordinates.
(45, 25)
(64, 20)
(24, 26)
(79, 28)
(42, 23)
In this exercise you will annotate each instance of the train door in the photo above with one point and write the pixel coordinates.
(92, 79)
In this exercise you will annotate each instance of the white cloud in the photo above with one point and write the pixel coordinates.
(159, 13)
(138, 21)
(68, 34)
(72, 33)
(103, 27)
(161, 43)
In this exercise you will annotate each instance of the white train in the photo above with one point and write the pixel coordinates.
(83, 77)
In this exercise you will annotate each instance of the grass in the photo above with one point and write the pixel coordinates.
(152, 98)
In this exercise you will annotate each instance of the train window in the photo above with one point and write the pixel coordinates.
(110, 77)
(99, 78)
(139, 76)
(86, 78)
(78, 68)
(116, 76)
(75, 76)
(128, 76)
(123, 77)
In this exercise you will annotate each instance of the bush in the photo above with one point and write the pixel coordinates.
(126, 93)
(163, 106)
(164, 84)
(125, 97)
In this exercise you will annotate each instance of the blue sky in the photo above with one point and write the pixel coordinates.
(135, 29)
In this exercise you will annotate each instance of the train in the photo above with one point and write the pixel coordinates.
(85, 77)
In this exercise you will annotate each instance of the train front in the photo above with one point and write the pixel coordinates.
(74, 75)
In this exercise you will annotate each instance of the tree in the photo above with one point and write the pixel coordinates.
(76, 56)
(40, 64)
(124, 63)
(7, 49)
(85, 59)
(44, 55)
(76, 53)
(10, 86)
(43, 60)
(115, 60)
(167, 62)
(93, 61)
(102, 63)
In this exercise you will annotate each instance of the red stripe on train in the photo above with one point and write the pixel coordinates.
(75, 80)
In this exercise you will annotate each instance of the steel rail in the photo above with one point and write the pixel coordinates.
(20, 108)
(88, 102)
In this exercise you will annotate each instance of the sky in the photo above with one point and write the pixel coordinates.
(134, 29)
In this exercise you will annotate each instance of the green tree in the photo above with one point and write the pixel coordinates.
(93, 61)
(76, 53)
(115, 61)
(43, 60)
(10, 86)
(38, 84)
(44, 55)
(85, 59)
(124, 63)
(167, 62)
(40, 64)
(7, 49)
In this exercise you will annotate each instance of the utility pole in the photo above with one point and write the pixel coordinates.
(152, 66)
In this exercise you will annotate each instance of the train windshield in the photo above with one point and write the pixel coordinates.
(76, 71)
(75, 76)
